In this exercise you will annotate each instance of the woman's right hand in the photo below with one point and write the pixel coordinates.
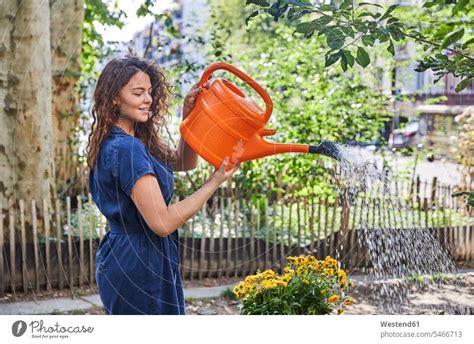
(220, 175)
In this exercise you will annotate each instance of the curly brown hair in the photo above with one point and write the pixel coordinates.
(115, 75)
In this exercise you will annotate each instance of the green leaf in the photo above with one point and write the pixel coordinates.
(335, 39)
(463, 84)
(363, 58)
(350, 59)
(331, 59)
(298, 3)
(308, 26)
(467, 43)
(348, 31)
(370, 4)
(324, 20)
(388, 11)
(460, 6)
(392, 20)
(297, 14)
(368, 40)
(343, 62)
(326, 8)
(391, 48)
(345, 4)
(429, 4)
(452, 38)
(262, 3)
(254, 14)
(396, 34)
(365, 14)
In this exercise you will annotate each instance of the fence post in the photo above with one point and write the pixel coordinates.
(91, 225)
(47, 245)
(211, 238)
(193, 249)
(267, 237)
(282, 236)
(311, 227)
(229, 237)
(221, 236)
(252, 241)
(319, 240)
(298, 226)
(82, 272)
(2, 276)
(35, 243)
(324, 240)
(245, 260)
(332, 237)
(203, 241)
(11, 216)
(236, 241)
(59, 246)
(69, 242)
(23, 247)
(274, 246)
(290, 249)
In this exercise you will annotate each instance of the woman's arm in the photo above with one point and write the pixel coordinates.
(186, 157)
(164, 220)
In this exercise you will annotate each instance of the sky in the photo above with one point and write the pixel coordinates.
(132, 23)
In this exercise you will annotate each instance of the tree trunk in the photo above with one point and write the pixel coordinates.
(67, 18)
(25, 102)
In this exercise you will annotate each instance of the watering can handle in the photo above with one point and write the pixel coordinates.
(244, 77)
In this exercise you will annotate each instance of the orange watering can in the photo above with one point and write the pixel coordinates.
(225, 122)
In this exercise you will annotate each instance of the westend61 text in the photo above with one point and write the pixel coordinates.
(400, 324)
(37, 326)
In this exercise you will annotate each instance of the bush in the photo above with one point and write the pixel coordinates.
(308, 286)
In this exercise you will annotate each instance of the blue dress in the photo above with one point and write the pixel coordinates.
(136, 270)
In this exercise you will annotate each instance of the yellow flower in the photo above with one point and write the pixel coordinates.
(267, 284)
(348, 302)
(334, 298)
(329, 272)
(323, 292)
(342, 275)
(340, 311)
(300, 270)
(305, 281)
(351, 284)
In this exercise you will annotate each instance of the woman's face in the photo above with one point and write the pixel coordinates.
(134, 99)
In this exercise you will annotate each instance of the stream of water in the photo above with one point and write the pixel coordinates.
(395, 254)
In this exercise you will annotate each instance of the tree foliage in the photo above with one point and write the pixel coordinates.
(352, 28)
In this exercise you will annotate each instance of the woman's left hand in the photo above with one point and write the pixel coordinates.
(190, 99)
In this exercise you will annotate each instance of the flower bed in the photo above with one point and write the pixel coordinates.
(307, 286)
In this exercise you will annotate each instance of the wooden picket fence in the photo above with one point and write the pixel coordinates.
(229, 236)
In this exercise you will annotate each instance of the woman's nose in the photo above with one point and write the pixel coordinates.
(148, 98)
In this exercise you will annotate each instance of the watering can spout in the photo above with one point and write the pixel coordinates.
(327, 148)
(257, 147)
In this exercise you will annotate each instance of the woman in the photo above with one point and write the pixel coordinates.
(131, 181)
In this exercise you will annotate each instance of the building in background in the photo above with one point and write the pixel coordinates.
(155, 43)
(430, 112)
